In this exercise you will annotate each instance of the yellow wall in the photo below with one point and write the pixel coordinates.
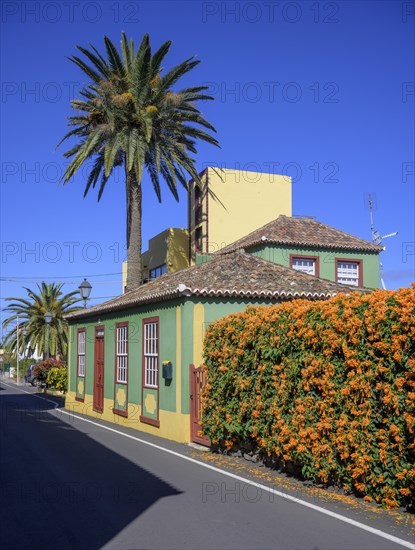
(177, 250)
(124, 276)
(249, 201)
(173, 425)
(157, 250)
(198, 326)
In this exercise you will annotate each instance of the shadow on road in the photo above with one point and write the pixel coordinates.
(59, 487)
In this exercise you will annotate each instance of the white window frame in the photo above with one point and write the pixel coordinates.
(151, 354)
(81, 351)
(304, 265)
(346, 274)
(121, 351)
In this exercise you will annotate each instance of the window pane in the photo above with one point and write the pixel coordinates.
(81, 353)
(157, 271)
(150, 355)
(81, 365)
(304, 265)
(348, 273)
(122, 357)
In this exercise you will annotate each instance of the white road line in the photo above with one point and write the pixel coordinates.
(345, 519)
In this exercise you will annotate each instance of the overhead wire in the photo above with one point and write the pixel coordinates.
(6, 280)
(64, 276)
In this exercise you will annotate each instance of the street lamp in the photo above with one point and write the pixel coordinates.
(48, 320)
(17, 351)
(85, 290)
(24, 332)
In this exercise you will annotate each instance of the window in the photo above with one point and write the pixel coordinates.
(349, 272)
(198, 239)
(157, 271)
(305, 264)
(151, 357)
(81, 352)
(122, 352)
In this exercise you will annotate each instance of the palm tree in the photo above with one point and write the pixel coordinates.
(130, 116)
(30, 314)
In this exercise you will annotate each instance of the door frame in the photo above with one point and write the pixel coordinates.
(95, 407)
(197, 380)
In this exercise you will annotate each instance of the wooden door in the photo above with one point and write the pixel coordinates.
(197, 382)
(98, 404)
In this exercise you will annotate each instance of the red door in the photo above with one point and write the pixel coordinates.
(98, 404)
(197, 382)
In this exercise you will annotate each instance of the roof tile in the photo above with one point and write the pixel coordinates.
(238, 275)
(306, 232)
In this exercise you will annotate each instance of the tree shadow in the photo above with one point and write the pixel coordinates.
(59, 487)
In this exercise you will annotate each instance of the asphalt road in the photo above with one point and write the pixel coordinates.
(70, 484)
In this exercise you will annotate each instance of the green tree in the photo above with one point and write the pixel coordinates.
(130, 116)
(32, 326)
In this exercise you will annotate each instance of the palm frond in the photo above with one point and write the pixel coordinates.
(114, 58)
(91, 73)
(128, 113)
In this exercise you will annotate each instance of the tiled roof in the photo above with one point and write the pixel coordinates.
(306, 232)
(238, 275)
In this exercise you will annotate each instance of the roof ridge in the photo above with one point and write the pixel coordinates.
(296, 233)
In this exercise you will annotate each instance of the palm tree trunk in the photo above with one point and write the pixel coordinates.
(134, 210)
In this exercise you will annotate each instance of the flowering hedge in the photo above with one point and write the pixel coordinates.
(57, 378)
(42, 370)
(325, 388)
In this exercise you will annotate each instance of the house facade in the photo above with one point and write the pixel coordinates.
(307, 245)
(135, 359)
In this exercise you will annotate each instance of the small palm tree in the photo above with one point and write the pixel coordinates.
(130, 116)
(32, 326)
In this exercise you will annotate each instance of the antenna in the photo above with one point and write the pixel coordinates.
(377, 238)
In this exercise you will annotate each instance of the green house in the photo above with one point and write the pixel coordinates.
(135, 360)
(312, 247)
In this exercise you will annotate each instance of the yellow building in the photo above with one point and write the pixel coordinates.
(167, 252)
(228, 205)
(231, 204)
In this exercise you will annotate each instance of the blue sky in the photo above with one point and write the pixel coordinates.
(321, 91)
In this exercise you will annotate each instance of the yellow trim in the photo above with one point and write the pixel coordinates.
(81, 387)
(150, 403)
(121, 397)
(198, 321)
(173, 426)
(124, 276)
(178, 370)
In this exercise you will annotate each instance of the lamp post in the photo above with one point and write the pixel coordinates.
(17, 351)
(48, 319)
(85, 290)
(24, 332)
